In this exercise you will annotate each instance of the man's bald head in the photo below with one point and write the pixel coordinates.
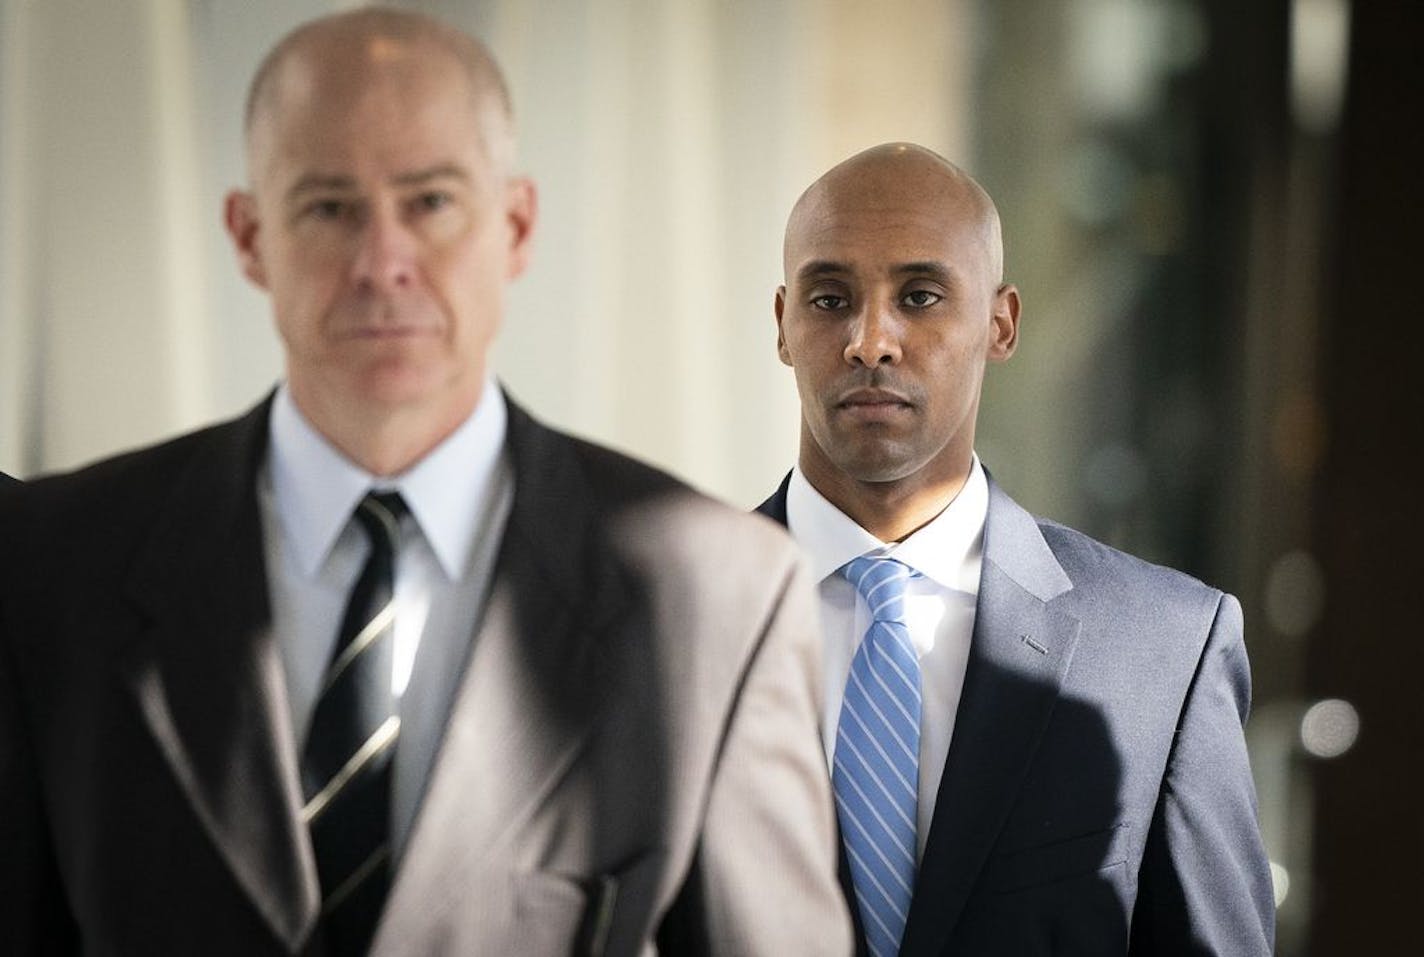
(343, 50)
(894, 304)
(385, 222)
(892, 175)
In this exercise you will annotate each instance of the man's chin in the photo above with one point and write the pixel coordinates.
(876, 466)
(398, 386)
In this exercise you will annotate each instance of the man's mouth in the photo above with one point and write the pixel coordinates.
(873, 397)
(387, 332)
(874, 404)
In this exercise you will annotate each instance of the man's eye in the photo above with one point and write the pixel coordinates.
(921, 298)
(327, 209)
(828, 302)
(432, 201)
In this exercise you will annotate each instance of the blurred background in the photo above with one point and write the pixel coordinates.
(1209, 207)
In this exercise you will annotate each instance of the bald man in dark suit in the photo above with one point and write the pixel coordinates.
(385, 665)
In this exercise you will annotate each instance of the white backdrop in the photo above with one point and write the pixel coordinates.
(669, 141)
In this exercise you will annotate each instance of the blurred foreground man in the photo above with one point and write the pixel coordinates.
(1035, 740)
(384, 665)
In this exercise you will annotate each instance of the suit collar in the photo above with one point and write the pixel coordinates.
(208, 678)
(946, 550)
(1022, 646)
(774, 507)
(315, 487)
(550, 479)
(1014, 542)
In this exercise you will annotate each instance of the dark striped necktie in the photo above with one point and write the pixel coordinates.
(346, 765)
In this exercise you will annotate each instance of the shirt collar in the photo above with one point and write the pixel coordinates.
(946, 549)
(316, 488)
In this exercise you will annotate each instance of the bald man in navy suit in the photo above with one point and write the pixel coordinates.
(1049, 758)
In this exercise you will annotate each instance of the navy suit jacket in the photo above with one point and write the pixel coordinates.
(1097, 797)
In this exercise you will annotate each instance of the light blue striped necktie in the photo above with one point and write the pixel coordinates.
(877, 758)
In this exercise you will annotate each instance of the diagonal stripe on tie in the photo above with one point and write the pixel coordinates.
(881, 938)
(366, 757)
(374, 630)
(378, 858)
(883, 750)
(350, 747)
(856, 781)
(883, 831)
(875, 770)
(900, 729)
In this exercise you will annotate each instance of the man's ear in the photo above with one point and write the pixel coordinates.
(240, 218)
(523, 212)
(779, 307)
(1005, 319)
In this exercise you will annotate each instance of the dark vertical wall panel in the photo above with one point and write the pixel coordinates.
(1369, 894)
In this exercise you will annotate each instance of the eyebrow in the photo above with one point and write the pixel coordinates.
(439, 171)
(314, 183)
(317, 182)
(821, 267)
(817, 268)
(928, 268)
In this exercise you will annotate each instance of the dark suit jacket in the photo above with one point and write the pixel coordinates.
(1097, 797)
(8, 480)
(631, 756)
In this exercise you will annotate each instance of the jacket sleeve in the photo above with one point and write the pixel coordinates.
(1205, 882)
(764, 877)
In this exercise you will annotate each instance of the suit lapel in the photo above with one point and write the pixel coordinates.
(533, 682)
(1019, 653)
(209, 681)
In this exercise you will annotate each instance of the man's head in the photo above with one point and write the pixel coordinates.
(894, 302)
(384, 221)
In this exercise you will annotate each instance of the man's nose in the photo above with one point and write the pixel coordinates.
(385, 256)
(874, 337)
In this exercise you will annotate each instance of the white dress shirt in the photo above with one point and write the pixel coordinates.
(459, 497)
(939, 608)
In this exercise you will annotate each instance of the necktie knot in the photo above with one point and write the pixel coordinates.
(881, 582)
(380, 514)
